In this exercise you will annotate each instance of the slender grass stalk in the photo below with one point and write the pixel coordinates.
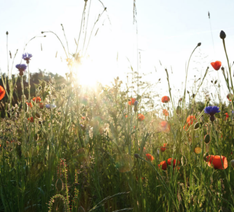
(59, 41)
(91, 33)
(169, 88)
(65, 38)
(66, 204)
(229, 67)
(186, 72)
(7, 54)
(81, 26)
(86, 29)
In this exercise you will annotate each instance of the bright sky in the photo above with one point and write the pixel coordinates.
(168, 31)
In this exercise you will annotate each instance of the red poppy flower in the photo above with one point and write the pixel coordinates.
(31, 119)
(217, 162)
(165, 112)
(2, 92)
(141, 117)
(216, 65)
(163, 148)
(29, 104)
(132, 101)
(149, 157)
(37, 99)
(190, 120)
(226, 118)
(185, 127)
(164, 126)
(174, 162)
(163, 164)
(165, 99)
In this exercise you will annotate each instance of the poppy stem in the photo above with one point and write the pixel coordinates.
(29, 84)
(229, 67)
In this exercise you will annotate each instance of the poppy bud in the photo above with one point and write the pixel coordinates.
(136, 156)
(207, 138)
(232, 163)
(178, 110)
(37, 115)
(199, 44)
(222, 34)
(197, 125)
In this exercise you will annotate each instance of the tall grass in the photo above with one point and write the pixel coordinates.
(87, 149)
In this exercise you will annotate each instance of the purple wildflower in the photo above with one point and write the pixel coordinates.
(27, 57)
(211, 110)
(49, 106)
(21, 68)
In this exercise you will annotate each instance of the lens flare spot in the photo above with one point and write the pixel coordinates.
(198, 150)
(124, 162)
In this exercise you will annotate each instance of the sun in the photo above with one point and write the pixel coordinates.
(86, 72)
(90, 71)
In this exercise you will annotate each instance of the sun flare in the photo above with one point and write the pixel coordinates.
(86, 72)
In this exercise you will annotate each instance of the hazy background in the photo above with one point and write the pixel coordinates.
(168, 31)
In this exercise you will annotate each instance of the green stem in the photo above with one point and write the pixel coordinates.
(186, 76)
(229, 67)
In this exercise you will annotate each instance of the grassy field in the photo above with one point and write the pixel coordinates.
(68, 147)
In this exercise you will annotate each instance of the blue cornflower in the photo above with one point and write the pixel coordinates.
(48, 106)
(211, 110)
(21, 68)
(27, 57)
(136, 103)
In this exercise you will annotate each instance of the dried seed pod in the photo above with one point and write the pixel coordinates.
(207, 138)
(222, 34)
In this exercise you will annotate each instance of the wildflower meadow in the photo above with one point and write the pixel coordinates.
(68, 147)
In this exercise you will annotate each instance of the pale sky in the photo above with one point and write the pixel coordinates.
(168, 31)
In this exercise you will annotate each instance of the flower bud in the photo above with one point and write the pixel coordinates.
(232, 163)
(212, 118)
(222, 34)
(136, 156)
(199, 44)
